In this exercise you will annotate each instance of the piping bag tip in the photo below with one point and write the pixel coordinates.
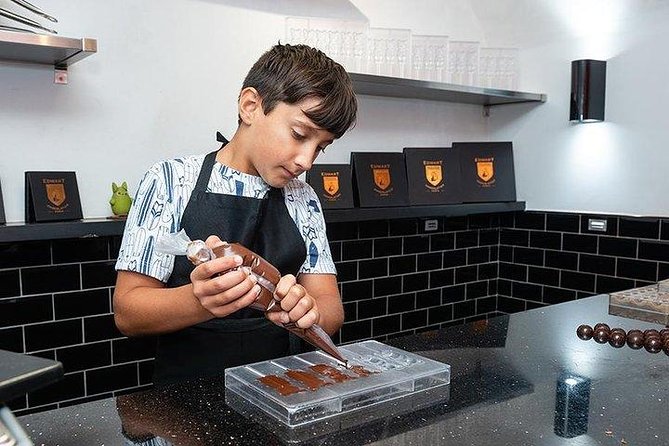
(316, 336)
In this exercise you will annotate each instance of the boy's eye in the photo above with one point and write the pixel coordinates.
(297, 135)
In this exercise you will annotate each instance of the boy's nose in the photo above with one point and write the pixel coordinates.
(304, 162)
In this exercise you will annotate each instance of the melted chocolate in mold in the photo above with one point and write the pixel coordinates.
(308, 379)
(279, 384)
(331, 372)
(361, 371)
(311, 381)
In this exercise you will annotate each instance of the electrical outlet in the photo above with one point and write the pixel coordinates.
(431, 225)
(597, 224)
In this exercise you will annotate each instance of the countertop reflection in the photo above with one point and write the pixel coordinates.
(523, 379)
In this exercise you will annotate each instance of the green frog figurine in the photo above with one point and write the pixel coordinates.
(120, 201)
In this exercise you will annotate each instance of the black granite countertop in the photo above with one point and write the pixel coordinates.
(523, 379)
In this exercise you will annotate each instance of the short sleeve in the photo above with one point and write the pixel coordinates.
(308, 217)
(150, 216)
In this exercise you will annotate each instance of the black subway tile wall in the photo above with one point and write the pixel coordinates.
(395, 279)
(431, 279)
(577, 261)
(55, 302)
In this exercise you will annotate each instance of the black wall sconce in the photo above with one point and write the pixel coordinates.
(588, 89)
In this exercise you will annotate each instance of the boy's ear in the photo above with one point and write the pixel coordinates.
(250, 105)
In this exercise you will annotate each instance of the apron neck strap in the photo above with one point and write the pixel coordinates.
(205, 172)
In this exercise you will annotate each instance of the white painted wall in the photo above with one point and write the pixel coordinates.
(165, 78)
(167, 74)
(618, 166)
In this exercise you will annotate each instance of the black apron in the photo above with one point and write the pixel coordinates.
(246, 336)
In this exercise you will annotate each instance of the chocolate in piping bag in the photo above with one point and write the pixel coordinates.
(268, 277)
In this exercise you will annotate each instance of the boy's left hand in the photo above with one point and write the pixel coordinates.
(297, 305)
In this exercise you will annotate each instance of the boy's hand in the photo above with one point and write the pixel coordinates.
(297, 305)
(219, 289)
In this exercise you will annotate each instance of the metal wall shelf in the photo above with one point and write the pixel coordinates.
(43, 49)
(104, 227)
(369, 84)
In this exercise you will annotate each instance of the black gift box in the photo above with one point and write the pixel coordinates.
(379, 179)
(52, 196)
(486, 171)
(433, 175)
(333, 185)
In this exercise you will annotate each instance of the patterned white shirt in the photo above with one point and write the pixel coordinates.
(164, 192)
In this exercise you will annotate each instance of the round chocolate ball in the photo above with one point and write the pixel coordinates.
(618, 330)
(602, 325)
(653, 344)
(584, 332)
(601, 336)
(617, 339)
(651, 332)
(635, 339)
(664, 333)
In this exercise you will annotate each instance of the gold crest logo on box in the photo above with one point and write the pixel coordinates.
(485, 171)
(382, 178)
(331, 185)
(433, 175)
(55, 193)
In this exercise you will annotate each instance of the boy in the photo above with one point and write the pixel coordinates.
(294, 102)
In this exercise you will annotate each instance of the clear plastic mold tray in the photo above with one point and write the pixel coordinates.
(394, 374)
(649, 303)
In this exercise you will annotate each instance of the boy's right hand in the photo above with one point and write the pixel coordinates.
(221, 290)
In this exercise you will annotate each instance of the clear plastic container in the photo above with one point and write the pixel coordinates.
(463, 62)
(389, 52)
(395, 374)
(429, 58)
(345, 41)
(498, 68)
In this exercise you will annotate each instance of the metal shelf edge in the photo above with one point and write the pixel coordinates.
(33, 46)
(413, 88)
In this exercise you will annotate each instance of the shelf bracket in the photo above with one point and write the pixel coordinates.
(60, 74)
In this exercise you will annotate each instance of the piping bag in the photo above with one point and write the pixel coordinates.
(268, 277)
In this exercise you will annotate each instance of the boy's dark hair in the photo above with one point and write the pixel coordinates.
(291, 73)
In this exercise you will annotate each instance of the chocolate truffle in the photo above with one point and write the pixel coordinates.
(602, 325)
(584, 332)
(664, 333)
(651, 332)
(601, 335)
(635, 339)
(618, 330)
(617, 339)
(653, 344)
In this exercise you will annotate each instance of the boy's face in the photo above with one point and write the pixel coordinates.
(286, 142)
